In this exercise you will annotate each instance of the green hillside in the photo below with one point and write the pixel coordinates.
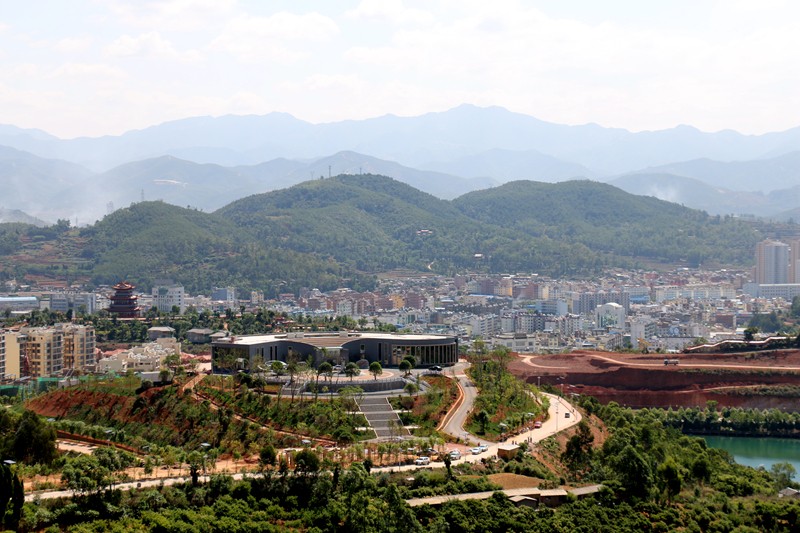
(610, 221)
(152, 240)
(343, 230)
(374, 223)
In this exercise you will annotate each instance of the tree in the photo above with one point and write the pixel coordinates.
(375, 369)
(670, 477)
(267, 457)
(405, 366)
(578, 451)
(634, 471)
(196, 462)
(482, 418)
(749, 334)
(85, 474)
(351, 370)
(782, 474)
(34, 440)
(10, 486)
(306, 461)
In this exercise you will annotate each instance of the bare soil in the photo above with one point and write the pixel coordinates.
(643, 380)
(514, 481)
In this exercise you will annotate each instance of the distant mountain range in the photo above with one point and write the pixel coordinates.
(207, 162)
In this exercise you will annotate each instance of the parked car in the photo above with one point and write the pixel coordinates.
(455, 455)
(537, 424)
(476, 450)
(567, 415)
(436, 368)
(483, 448)
(422, 461)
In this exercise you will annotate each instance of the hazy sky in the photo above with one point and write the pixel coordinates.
(94, 67)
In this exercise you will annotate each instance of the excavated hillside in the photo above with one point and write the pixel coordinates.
(753, 380)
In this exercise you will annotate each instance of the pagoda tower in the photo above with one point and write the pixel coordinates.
(124, 303)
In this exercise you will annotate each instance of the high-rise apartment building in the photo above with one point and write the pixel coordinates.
(78, 343)
(772, 262)
(9, 355)
(42, 351)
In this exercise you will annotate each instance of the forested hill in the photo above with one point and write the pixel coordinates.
(154, 240)
(374, 223)
(611, 221)
(341, 231)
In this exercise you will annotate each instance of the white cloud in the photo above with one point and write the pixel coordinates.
(71, 45)
(88, 72)
(171, 15)
(393, 11)
(149, 44)
(282, 37)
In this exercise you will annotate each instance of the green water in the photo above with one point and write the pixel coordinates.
(757, 452)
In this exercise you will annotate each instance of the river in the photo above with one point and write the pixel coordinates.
(759, 451)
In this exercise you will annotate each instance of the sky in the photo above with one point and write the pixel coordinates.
(102, 67)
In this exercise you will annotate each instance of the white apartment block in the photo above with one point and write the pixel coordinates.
(515, 342)
(169, 295)
(610, 315)
(77, 302)
(695, 292)
(485, 326)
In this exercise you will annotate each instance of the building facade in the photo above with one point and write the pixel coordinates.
(247, 352)
(772, 262)
(42, 352)
(167, 296)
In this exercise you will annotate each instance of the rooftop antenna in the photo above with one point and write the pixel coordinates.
(329, 171)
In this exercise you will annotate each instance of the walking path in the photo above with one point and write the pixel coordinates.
(381, 417)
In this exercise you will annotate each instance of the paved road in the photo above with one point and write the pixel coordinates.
(455, 425)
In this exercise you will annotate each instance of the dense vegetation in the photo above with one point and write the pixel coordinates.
(340, 231)
(712, 420)
(504, 403)
(654, 478)
(610, 221)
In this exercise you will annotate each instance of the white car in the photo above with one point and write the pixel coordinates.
(455, 455)
(422, 461)
(476, 450)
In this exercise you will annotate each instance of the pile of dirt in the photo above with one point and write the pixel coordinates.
(514, 481)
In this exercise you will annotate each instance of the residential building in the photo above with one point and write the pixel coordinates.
(610, 315)
(772, 262)
(77, 302)
(42, 351)
(168, 295)
(225, 295)
(9, 355)
(78, 347)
